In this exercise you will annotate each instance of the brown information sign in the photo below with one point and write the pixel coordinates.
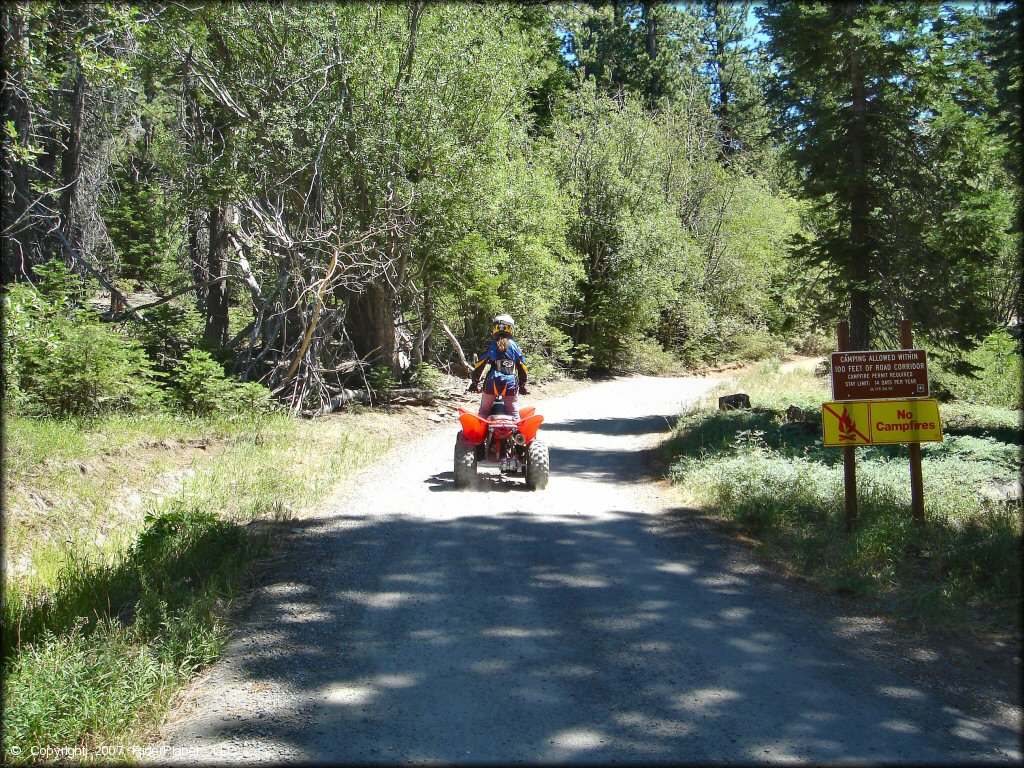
(895, 374)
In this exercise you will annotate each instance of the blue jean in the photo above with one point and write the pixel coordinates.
(511, 405)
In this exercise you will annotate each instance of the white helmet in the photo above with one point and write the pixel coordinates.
(503, 324)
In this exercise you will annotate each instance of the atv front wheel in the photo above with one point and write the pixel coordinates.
(465, 462)
(538, 466)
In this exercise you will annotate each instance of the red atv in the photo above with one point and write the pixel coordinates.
(501, 441)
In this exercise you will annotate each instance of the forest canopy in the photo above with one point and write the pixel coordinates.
(312, 194)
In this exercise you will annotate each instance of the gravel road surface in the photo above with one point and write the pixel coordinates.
(588, 622)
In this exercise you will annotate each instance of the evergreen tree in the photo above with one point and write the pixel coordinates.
(897, 170)
(651, 50)
(1004, 54)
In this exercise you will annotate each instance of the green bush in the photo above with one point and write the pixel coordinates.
(423, 376)
(645, 356)
(172, 331)
(382, 383)
(813, 342)
(60, 360)
(582, 359)
(997, 380)
(202, 389)
(251, 397)
(61, 287)
(753, 343)
(94, 370)
(200, 386)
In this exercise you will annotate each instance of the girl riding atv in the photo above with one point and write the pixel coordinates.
(507, 377)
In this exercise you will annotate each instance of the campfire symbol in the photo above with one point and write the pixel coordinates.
(847, 427)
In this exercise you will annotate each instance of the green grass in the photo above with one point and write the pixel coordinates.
(143, 624)
(73, 690)
(126, 623)
(35, 447)
(777, 483)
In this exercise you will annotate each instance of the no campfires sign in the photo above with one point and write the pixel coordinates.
(895, 374)
(874, 422)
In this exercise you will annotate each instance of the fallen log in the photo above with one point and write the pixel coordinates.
(339, 401)
(412, 396)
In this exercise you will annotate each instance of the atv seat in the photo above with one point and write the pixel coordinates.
(498, 409)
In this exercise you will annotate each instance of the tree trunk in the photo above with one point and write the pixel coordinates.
(861, 255)
(71, 164)
(724, 87)
(421, 346)
(216, 331)
(651, 41)
(372, 326)
(190, 124)
(415, 13)
(197, 247)
(17, 242)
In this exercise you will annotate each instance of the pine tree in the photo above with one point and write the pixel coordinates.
(896, 169)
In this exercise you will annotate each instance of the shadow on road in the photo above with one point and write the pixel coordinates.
(486, 480)
(643, 425)
(509, 637)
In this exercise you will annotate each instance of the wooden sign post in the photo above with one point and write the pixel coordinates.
(916, 478)
(849, 454)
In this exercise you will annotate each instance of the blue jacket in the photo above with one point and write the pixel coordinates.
(508, 369)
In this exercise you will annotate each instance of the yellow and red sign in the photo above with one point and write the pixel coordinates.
(846, 423)
(874, 422)
(905, 421)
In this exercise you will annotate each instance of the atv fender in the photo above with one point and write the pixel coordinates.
(473, 427)
(528, 427)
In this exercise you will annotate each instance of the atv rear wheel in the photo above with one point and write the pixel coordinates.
(465, 462)
(538, 466)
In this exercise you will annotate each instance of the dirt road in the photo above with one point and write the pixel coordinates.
(588, 622)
